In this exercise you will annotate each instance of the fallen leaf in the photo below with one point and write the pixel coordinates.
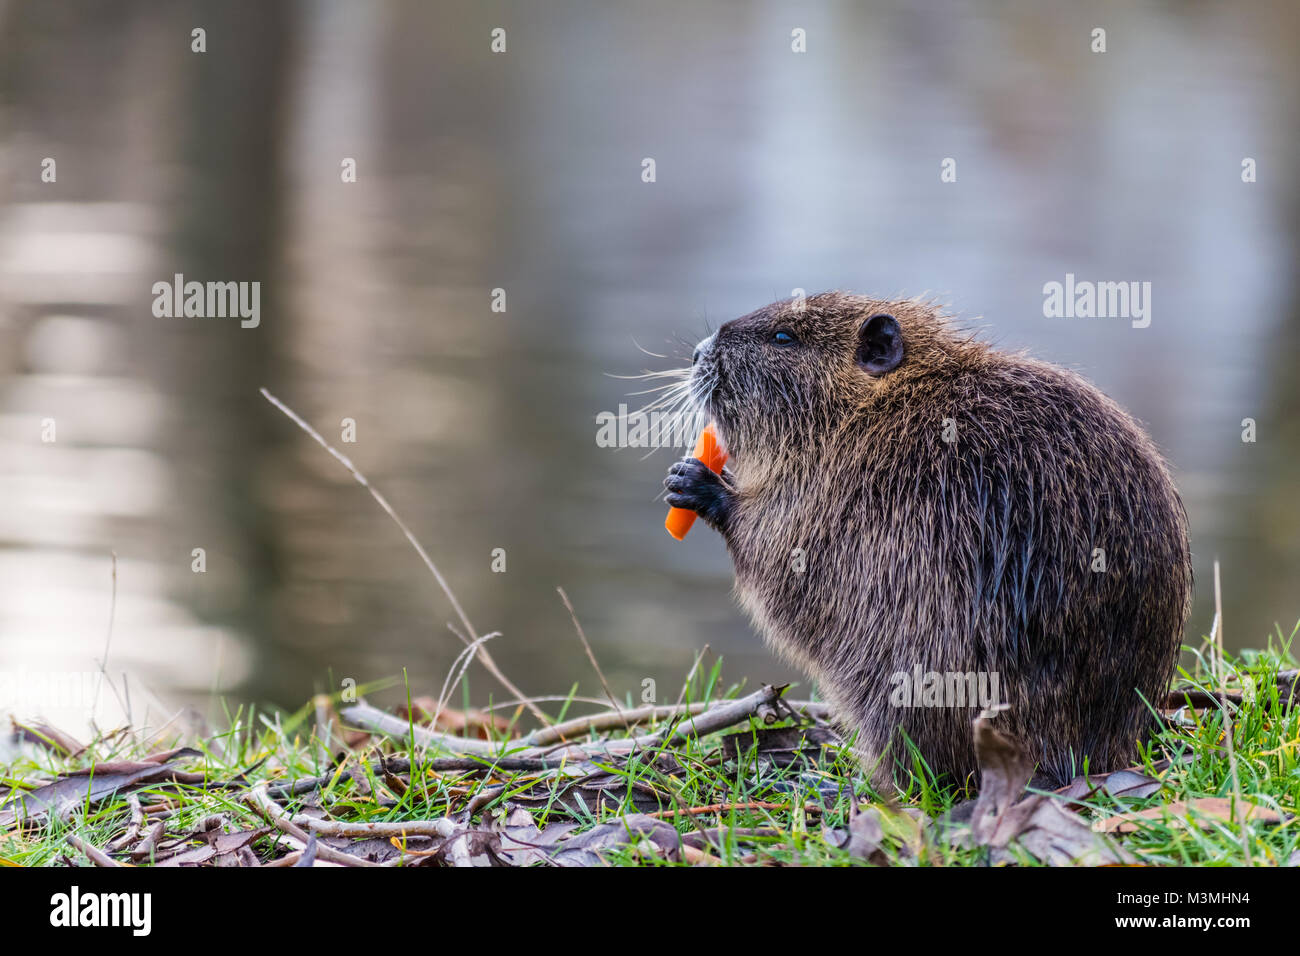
(194, 856)
(164, 756)
(861, 838)
(49, 737)
(1120, 783)
(1209, 810)
(232, 842)
(1038, 824)
(521, 843)
(585, 849)
(471, 848)
(79, 787)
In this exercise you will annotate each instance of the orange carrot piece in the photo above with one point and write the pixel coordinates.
(707, 450)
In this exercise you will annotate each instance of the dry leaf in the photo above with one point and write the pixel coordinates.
(49, 737)
(862, 837)
(1209, 810)
(1038, 824)
(1121, 783)
(80, 787)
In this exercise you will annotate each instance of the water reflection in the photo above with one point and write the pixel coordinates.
(522, 172)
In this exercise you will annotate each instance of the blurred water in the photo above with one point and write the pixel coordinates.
(522, 171)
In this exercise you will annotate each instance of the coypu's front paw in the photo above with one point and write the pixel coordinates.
(693, 486)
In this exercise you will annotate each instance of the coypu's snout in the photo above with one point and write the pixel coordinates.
(704, 374)
(703, 351)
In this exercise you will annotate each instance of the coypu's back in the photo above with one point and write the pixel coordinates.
(907, 502)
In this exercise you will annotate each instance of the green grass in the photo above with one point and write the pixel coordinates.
(280, 748)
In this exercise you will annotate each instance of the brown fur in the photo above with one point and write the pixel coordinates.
(970, 556)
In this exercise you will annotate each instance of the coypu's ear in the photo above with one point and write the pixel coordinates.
(880, 345)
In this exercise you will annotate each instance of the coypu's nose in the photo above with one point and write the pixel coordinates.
(701, 350)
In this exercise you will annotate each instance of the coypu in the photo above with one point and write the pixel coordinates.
(903, 499)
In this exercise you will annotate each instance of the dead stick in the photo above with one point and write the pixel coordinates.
(346, 462)
(591, 656)
(378, 721)
(696, 723)
(719, 717)
(1229, 729)
(387, 828)
(258, 799)
(490, 665)
(690, 675)
(714, 719)
(609, 720)
(145, 848)
(97, 857)
(727, 807)
(133, 831)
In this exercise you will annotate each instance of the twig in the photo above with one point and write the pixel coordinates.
(395, 765)
(697, 723)
(327, 736)
(690, 675)
(1227, 716)
(543, 698)
(719, 717)
(586, 646)
(491, 666)
(410, 536)
(133, 830)
(108, 640)
(146, 847)
(608, 720)
(714, 719)
(727, 807)
(98, 857)
(462, 661)
(650, 713)
(373, 719)
(444, 827)
(258, 799)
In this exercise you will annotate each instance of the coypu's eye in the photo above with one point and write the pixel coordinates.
(784, 337)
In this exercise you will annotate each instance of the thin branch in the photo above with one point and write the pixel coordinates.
(258, 799)
(146, 848)
(714, 719)
(697, 723)
(98, 857)
(486, 660)
(377, 721)
(586, 646)
(444, 827)
(462, 661)
(342, 459)
(133, 830)
(108, 640)
(713, 808)
(1229, 730)
(609, 720)
(690, 675)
